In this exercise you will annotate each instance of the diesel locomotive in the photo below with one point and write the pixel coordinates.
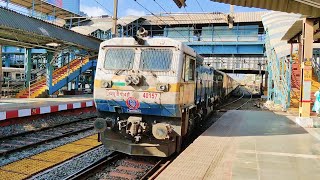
(150, 93)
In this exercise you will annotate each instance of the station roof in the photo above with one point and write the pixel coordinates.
(24, 31)
(44, 7)
(296, 29)
(201, 18)
(305, 7)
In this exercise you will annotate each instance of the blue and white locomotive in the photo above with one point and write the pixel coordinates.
(151, 92)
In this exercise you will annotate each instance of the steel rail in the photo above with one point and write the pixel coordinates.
(233, 101)
(50, 138)
(93, 168)
(246, 101)
(45, 128)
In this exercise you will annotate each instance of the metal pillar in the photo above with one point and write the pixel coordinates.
(306, 68)
(70, 25)
(27, 66)
(92, 80)
(32, 13)
(49, 70)
(114, 18)
(1, 71)
(76, 86)
(7, 62)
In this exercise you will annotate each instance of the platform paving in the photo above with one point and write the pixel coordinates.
(23, 103)
(250, 145)
(18, 108)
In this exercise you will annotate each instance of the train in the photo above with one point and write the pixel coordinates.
(151, 93)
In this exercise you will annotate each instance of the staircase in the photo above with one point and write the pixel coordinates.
(295, 84)
(60, 77)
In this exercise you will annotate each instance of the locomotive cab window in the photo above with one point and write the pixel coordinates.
(119, 59)
(156, 59)
(189, 71)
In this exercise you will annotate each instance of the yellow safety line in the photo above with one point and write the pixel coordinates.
(27, 167)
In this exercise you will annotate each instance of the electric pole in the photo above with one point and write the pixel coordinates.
(115, 17)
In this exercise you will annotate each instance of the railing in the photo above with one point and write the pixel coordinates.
(11, 87)
(316, 63)
(279, 79)
(237, 63)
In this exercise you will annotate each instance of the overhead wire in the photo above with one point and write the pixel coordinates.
(159, 18)
(125, 24)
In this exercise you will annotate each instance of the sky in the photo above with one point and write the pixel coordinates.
(130, 7)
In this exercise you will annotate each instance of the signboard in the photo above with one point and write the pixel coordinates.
(307, 75)
(306, 93)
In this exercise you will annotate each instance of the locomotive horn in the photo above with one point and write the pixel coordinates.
(142, 32)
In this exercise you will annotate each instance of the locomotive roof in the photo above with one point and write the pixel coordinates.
(149, 42)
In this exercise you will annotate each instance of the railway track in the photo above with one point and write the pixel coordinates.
(121, 166)
(17, 142)
(236, 104)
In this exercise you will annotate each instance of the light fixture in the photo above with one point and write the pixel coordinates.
(53, 44)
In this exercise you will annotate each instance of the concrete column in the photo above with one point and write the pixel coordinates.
(49, 69)
(27, 66)
(306, 68)
(1, 78)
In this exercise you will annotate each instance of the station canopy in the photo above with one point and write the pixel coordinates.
(24, 31)
(296, 30)
(44, 7)
(305, 7)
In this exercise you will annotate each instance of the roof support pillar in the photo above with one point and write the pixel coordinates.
(76, 86)
(1, 70)
(27, 66)
(49, 70)
(32, 13)
(7, 5)
(306, 68)
(92, 78)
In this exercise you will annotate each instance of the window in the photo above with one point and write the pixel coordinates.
(189, 69)
(156, 59)
(119, 59)
(18, 76)
(7, 75)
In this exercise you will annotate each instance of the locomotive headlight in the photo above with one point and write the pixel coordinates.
(128, 80)
(162, 87)
(135, 80)
(106, 84)
(100, 124)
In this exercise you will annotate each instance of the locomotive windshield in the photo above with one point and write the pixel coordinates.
(119, 59)
(156, 59)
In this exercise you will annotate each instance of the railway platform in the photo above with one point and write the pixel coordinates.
(250, 145)
(16, 107)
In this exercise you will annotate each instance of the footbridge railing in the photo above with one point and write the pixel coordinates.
(279, 78)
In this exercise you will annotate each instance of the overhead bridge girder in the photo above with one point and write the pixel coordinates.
(228, 48)
(243, 64)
